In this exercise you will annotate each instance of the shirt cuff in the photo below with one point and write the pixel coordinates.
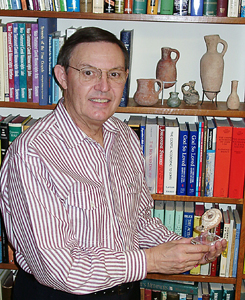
(135, 265)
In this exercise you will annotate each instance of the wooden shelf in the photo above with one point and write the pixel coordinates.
(27, 105)
(123, 17)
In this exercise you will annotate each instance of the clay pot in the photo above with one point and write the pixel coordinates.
(173, 100)
(166, 67)
(190, 96)
(233, 101)
(212, 66)
(148, 91)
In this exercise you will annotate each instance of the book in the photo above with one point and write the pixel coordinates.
(214, 264)
(29, 62)
(85, 6)
(159, 210)
(210, 158)
(10, 61)
(152, 7)
(205, 291)
(55, 85)
(5, 64)
(223, 256)
(199, 156)
(142, 134)
(222, 157)
(204, 120)
(231, 241)
(169, 286)
(199, 211)
(139, 6)
(216, 291)
(15, 26)
(22, 61)
(126, 36)
(151, 154)
(172, 296)
(210, 7)
(178, 218)
(243, 8)
(128, 6)
(23, 5)
(192, 160)
(160, 154)
(167, 7)
(147, 294)
(182, 159)
(29, 123)
(237, 242)
(45, 26)
(2, 77)
(237, 165)
(171, 156)
(4, 126)
(228, 291)
(169, 215)
(35, 63)
(16, 127)
(69, 31)
(109, 6)
(181, 7)
(197, 7)
(98, 6)
(134, 122)
(233, 8)
(73, 5)
(222, 6)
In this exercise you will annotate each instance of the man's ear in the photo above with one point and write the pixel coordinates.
(61, 76)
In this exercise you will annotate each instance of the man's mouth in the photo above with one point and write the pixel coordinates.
(99, 100)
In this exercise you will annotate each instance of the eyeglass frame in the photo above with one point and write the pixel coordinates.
(100, 70)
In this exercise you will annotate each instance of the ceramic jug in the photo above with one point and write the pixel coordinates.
(233, 101)
(148, 91)
(190, 95)
(166, 66)
(212, 66)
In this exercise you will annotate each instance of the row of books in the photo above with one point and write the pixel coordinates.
(28, 54)
(203, 158)
(175, 290)
(221, 8)
(184, 217)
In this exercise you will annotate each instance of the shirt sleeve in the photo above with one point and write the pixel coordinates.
(41, 231)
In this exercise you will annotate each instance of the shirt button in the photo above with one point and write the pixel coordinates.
(127, 247)
(92, 204)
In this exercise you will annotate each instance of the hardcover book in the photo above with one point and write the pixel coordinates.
(230, 241)
(134, 122)
(169, 215)
(10, 62)
(45, 26)
(16, 127)
(4, 126)
(159, 210)
(171, 156)
(210, 7)
(182, 160)
(142, 134)
(237, 242)
(98, 6)
(167, 7)
(5, 64)
(126, 36)
(197, 7)
(2, 94)
(73, 5)
(223, 256)
(222, 6)
(22, 62)
(16, 62)
(199, 157)
(29, 61)
(160, 154)
(178, 219)
(35, 62)
(128, 6)
(139, 6)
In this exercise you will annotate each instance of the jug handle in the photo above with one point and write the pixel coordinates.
(184, 91)
(225, 46)
(161, 86)
(177, 55)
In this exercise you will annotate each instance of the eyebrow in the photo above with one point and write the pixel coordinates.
(87, 65)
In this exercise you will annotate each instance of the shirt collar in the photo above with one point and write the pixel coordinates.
(72, 134)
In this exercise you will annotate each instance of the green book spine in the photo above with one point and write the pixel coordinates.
(139, 6)
(167, 7)
(210, 7)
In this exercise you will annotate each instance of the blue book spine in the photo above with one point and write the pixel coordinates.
(73, 5)
(50, 55)
(192, 161)
(16, 4)
(45, 27)
(55, 86)
(182, 160)
(16, 62)
(198, 157)
(22, 62)
(35, 63)
(142, 135)
(187, 232)
(197, 7)
(126, 37)
(236, 249)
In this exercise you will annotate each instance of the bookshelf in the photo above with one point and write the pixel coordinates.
(208, 108)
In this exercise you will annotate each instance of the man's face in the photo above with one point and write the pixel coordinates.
(92, 103)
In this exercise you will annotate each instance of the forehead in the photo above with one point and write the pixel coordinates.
(98, 54)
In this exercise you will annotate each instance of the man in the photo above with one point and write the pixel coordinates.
(74, 198)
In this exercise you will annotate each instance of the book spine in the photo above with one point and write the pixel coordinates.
(192, 164)
(160, 159)
(10, 62)
(223, 257)
(50, 81)
(152, 6)
(1, 66)
(167, 7)
(22, 62)
(128, 6)
(35, 63)
(204, 158)
(55, 86)
(85, 6)
(178, 222)
(236, 250)
(243, 8)
(181, 8)
(29, 62)
(233, 8)
(98, 6)
(210, 7)
(169, 219)
(188, 220)
(73, 5)
(199, 160)
(210, 161)
(182, 163)
(16, 62)
(197, 7)
(139, 6)
(109, 6)
(222, 6)
(5, 61)
(142, 138)
(46, 26)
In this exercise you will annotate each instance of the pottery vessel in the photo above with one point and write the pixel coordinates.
(212, 66)
(233, 101)
(173, 100)
(148, 91)
(190, 95)
(166, 66)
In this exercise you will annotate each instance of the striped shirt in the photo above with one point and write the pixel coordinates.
(77, 214)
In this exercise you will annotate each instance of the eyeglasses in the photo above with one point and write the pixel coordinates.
(92, 75)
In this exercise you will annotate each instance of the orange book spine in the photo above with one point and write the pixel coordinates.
(152, 6)
(128, 6)
(222, 160)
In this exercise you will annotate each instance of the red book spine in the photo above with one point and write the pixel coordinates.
(237, 169)
(128, 6)
(160, 159)
(10, 61)
(222, 8)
